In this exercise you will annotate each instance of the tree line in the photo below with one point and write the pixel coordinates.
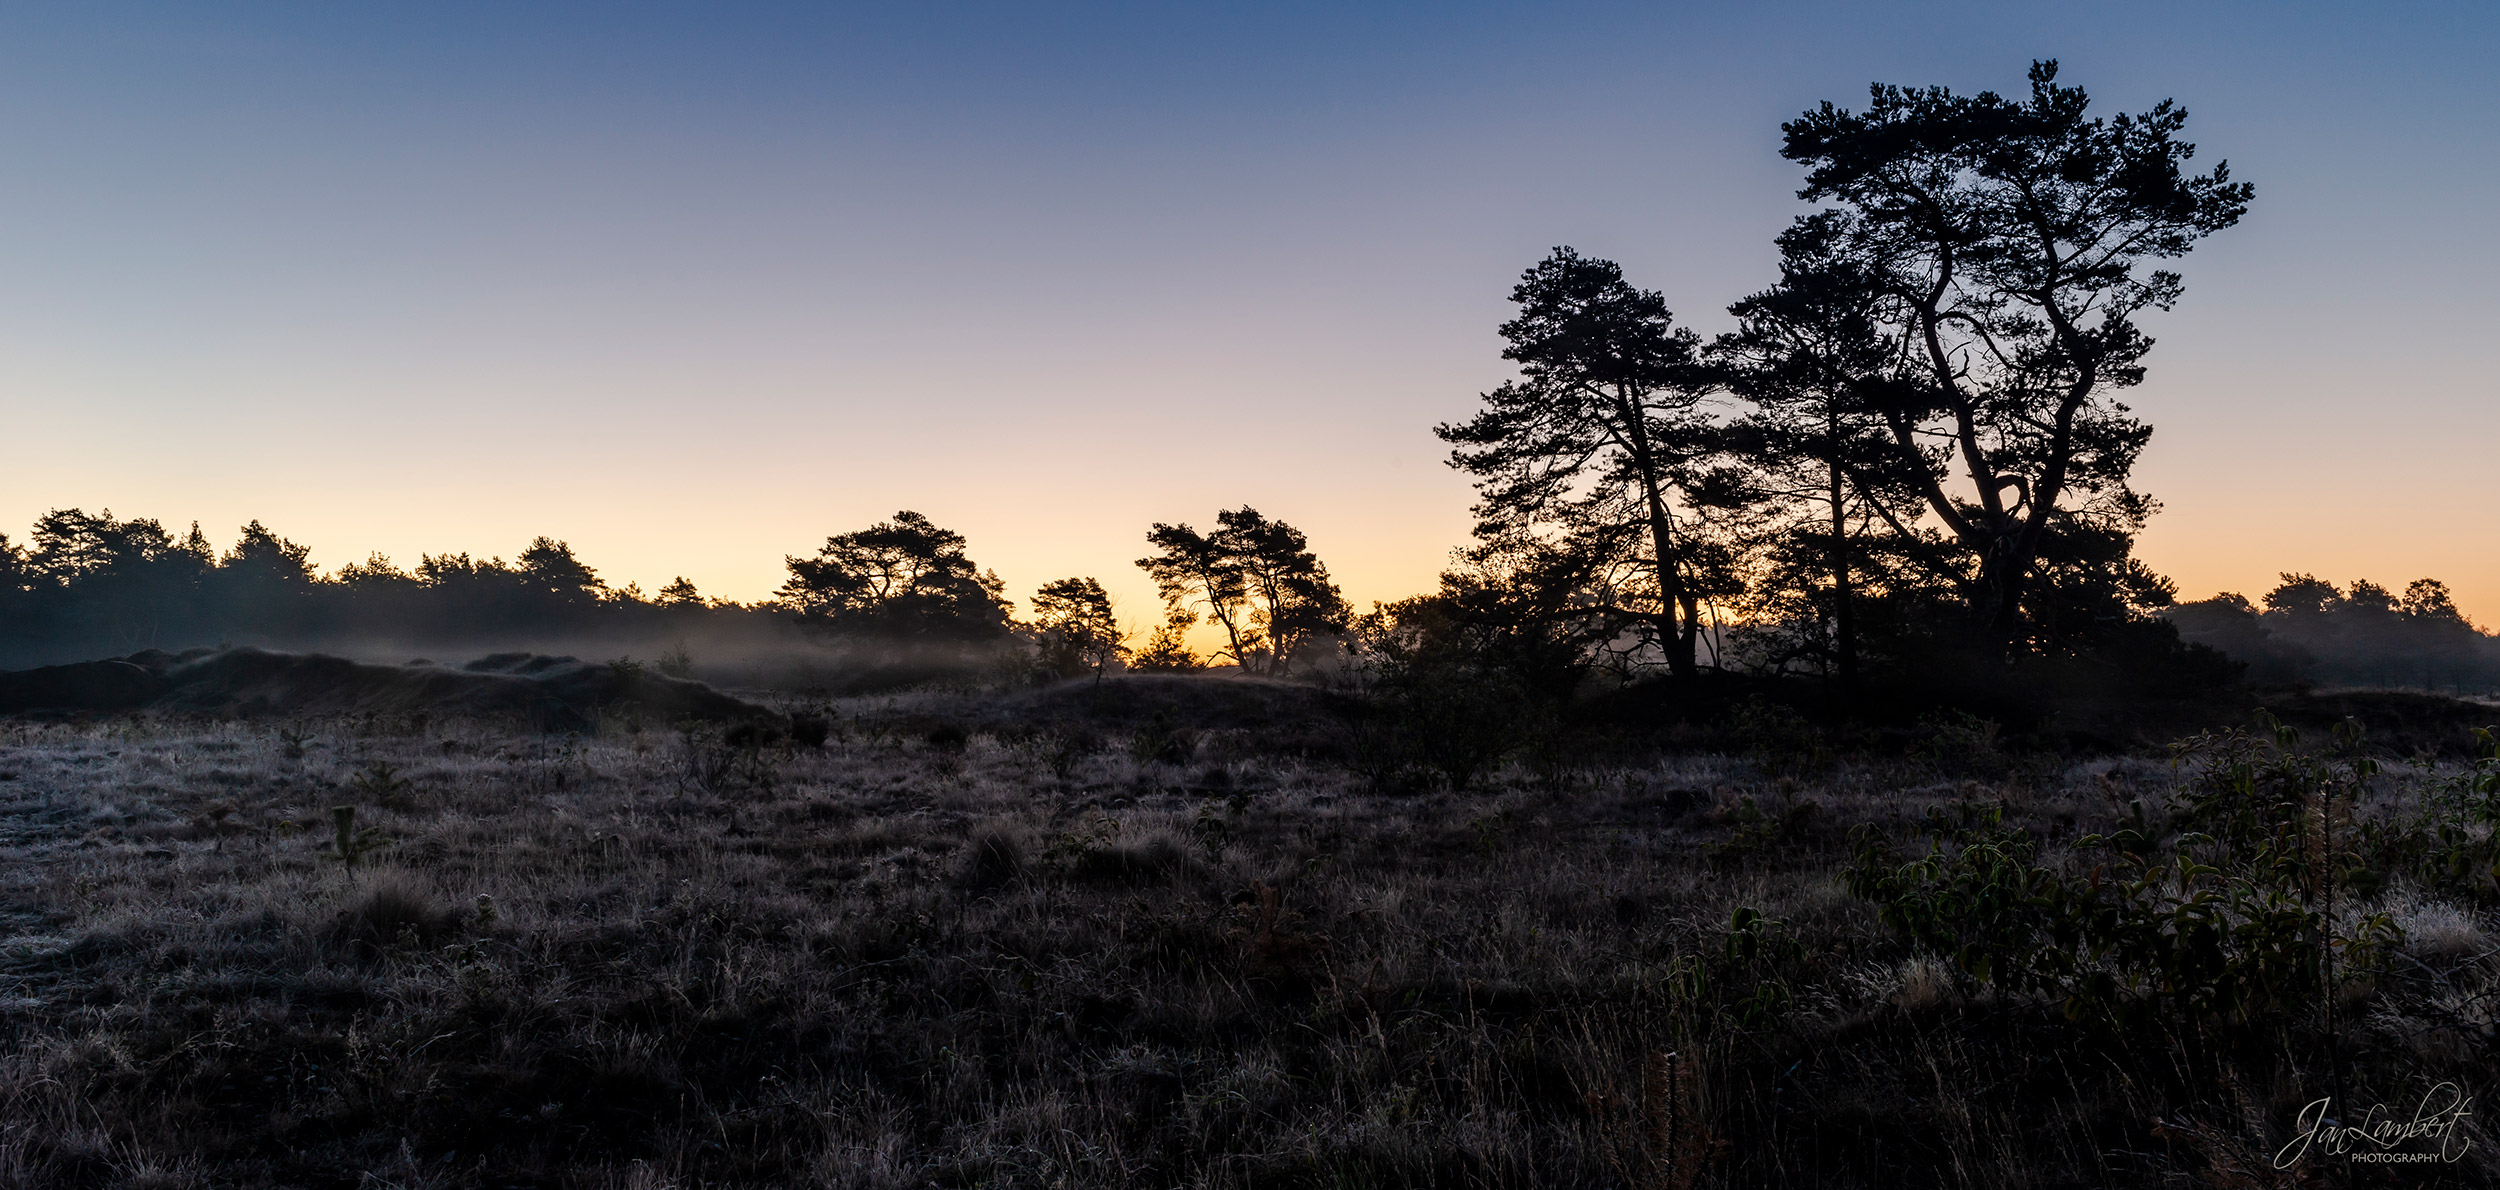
(2308, 630)
(88, 584)
(1912, 450)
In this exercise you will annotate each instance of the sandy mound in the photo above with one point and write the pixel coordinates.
(82, 686)
(553, 693)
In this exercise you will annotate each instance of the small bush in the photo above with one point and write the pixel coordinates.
(1454, 723)
(2220, 917)
(1778, 740)
(1159, 741)
(2452, 841)
(1062, 752)
(677, 662)
(993, 858)
(810, 731)
(1960, 745)
(350, 844)
(392, 910)
(381, 784)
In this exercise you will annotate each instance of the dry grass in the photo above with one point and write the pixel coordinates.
(985, 960)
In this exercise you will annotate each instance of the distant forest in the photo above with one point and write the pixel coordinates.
(2306, 630)
(91, 584)
(1909, 461)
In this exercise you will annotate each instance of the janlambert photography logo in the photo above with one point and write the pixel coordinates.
(2381, 1136)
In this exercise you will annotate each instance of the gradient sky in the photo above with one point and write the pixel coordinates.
(694, 286)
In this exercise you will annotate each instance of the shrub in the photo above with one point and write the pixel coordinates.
(993, 858)
(1959, 744)
(677, 662)
(380, 784)
(1160, 741)
(1063, 751)
(2452, 842)
(1451, 722)
(2223, 915)
(392, 910)
(715, 762)
(1167, 650)
(1778, 740)
(810, 731)
(349, 843)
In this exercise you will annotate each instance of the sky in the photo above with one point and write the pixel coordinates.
(692, 287)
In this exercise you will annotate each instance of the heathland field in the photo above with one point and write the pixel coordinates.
(1193, 931)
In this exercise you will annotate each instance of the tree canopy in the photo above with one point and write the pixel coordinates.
(1601, 447)
(2001, 252)
(904, 578)
(1255, 578)
(1079, 631)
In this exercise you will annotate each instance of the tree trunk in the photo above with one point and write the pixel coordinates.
(1844, 617)
(2003, 571)
(1679, 639)
(1215, 608)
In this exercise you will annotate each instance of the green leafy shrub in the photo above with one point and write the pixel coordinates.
(2221, 914)
(2452, 842)
(1745, 984)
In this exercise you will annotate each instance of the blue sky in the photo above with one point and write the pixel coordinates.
(694, 286)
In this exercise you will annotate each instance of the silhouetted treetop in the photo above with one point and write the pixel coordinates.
(551, 568)
(2002, 246)
(2428, 600)
(1257, 579)
(1193, 570)
(904, 577)
(2301, 595)
(1292, 599)
(373, 575)
(2035, 195)
(1585, 334)
(70, 544)
(680, 593)
(260, 556)
(97, 585)
(1079, 631)
(1601, 445)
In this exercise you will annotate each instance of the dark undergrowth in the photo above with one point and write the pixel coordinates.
(952, 947)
